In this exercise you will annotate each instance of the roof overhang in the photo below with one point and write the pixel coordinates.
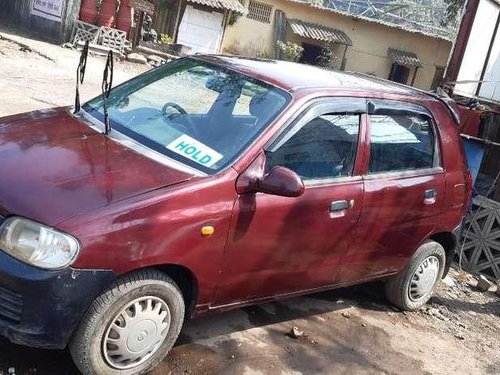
(319, 32)
(144, 6)
(232, 5)
(404, 58)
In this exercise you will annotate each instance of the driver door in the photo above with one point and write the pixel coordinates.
(278, 245)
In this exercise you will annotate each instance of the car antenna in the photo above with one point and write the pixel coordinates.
(107, 82)
(80, 75)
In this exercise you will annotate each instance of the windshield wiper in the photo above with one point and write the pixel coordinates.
(80, 75)
(107, 83)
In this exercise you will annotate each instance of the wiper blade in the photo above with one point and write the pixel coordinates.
(107, 83)
(80, 74)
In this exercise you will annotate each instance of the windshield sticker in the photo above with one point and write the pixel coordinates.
(192, 149)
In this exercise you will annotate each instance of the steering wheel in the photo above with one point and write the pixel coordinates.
(191, 128)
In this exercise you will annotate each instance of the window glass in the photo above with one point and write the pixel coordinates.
(325, 147)
(401, 142)
(197, 113)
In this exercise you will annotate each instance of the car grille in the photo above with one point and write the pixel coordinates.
(11, 305)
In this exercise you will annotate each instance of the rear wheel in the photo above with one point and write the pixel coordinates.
(415, 284)
(130, 327)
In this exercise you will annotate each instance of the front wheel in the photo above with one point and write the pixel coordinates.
(130, 327)
(415, 284)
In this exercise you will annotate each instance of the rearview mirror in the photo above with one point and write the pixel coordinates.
(281, 181)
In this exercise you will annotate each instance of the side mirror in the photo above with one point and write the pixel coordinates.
(281, 181)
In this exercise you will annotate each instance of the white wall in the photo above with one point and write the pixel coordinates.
(476, 53)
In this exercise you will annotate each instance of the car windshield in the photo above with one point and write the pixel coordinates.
(198, 113)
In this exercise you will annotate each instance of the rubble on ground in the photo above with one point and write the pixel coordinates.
(137, 58)
(483, 284)
(295, 333)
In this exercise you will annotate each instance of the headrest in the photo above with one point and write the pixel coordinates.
(261, 104)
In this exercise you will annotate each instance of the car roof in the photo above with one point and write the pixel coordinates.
(295, 77)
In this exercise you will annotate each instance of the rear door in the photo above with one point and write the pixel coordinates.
(403, 189)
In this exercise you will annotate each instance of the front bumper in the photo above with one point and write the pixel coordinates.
(40, 308)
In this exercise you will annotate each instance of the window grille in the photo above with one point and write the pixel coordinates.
(259, 11)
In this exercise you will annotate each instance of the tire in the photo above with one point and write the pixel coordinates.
(401, 290)
(143, 292)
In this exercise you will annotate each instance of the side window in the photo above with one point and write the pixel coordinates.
(324, 147)
(401, 142)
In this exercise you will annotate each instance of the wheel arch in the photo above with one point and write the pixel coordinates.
(185, 280)
(449, 243)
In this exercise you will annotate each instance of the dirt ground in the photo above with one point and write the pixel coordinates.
(349, 330)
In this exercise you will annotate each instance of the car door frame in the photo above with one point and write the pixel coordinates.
(307, 112)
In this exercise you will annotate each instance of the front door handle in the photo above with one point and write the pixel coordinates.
(337, 206)
(430, 193)
(430, 196)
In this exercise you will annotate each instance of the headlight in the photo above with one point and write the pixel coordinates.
(36, 244)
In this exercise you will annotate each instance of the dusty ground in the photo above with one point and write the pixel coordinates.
(345, 331)
(44, 74)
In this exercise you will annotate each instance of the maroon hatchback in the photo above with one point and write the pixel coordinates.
(224, 182)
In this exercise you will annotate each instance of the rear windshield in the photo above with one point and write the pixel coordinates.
(198, 113)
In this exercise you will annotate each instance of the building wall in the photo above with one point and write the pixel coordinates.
(18, 12)
(481, 58)
(370, 41)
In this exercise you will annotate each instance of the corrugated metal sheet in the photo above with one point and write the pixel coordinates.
(233, 5)
(372, 20)
(404, 58)
(319, 32)
(144, 6)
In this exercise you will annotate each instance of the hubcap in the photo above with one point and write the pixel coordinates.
(424, 278)
(136, 332)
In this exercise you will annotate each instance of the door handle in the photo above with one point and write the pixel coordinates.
(337, 206)
(430, 193)
(430, 196)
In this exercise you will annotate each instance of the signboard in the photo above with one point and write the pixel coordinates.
(192, 149)
(50, 9)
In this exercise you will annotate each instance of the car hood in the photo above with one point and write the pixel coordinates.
(53, 166)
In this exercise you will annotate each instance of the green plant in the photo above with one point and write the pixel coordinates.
(326, 57)
(290, 51)
(166, 39)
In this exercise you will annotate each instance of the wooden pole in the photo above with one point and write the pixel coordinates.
(138, 30)
(343, 62)
(177, 17)
(414, 75)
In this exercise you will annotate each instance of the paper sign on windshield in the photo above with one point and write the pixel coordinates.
(194, 150)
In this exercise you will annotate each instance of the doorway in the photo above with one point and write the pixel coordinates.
(310, 54)
(399, 73)
(201, 30)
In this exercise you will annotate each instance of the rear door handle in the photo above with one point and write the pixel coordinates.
(337, 206)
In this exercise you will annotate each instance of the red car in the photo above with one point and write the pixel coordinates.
(224, 182)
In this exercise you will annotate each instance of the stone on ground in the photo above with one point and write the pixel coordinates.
(137, 58)
(483, 284)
